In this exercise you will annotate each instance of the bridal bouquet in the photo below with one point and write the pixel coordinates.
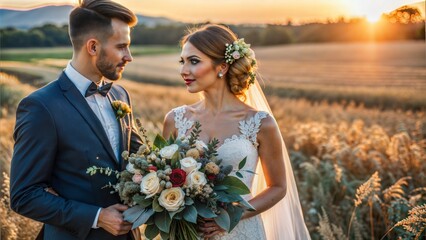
(170, 183)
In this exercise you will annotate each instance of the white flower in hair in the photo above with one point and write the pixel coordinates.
(237, 50)
(236, 55)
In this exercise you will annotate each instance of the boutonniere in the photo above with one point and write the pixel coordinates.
(121, 108)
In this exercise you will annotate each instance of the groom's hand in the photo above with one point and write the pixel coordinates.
(111, 220)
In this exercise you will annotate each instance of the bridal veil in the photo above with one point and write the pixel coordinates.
(285, 219)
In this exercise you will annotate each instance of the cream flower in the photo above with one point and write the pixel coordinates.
(130, 168)
(196, 179)
(172, 199)
(168, 151)
(200, 145)
(189, 164)
(150, 184)
(211, 167)
(193, 152)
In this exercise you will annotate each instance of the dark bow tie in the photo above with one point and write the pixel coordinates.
(93, 88)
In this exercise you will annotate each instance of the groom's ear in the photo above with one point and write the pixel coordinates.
(92, 47)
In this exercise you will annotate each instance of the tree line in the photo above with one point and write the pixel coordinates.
(403, 24)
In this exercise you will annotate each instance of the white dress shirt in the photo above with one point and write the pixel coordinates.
(102, 108)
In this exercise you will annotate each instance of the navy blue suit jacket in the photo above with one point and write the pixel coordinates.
(57, 137)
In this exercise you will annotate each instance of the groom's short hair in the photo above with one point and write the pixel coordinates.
(93, 17)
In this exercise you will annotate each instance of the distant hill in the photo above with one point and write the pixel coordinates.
(58, 15)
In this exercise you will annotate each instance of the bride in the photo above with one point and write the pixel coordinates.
(233, 110)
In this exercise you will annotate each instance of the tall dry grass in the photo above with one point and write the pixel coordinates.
(14, 226)
(334, 150)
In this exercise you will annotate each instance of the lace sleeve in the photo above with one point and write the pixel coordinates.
(249, 128)
(182, 124)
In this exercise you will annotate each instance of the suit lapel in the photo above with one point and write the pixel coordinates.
(80, 104)
(124, 126)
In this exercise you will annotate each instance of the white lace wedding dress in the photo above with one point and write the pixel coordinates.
(232, 151)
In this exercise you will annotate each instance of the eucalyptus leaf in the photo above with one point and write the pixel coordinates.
(204, 211)
(133, 213)
(246, 204)
(220, 187)
(242, 163)
(151, 231)
(143, 218)
(235, 213)
(179, 216)
(160, 142)
(164, 235)
(163, 221)
(142, 201)
(190, 214)
(223, 220)
(188, 201)
(150, 221)
(156, 206)
(225, 197)
(172, 214)
(235, 185)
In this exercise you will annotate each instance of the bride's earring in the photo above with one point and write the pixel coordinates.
(220, 75)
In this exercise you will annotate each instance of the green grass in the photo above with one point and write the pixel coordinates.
(34, 54)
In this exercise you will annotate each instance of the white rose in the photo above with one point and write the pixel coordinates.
(251, 54)
(168, 151)
(150, 184)
(130, 168)
(196, 179)
(200, 145)
(172, 199)
(189, 164)
(236, 55)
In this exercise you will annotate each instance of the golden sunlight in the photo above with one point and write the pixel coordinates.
(373, 17)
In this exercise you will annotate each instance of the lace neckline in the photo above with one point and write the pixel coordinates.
(248, 127)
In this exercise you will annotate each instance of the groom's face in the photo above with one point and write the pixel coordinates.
(114, 52)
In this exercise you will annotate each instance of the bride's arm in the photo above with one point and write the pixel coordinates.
(272, 160)
(271, 157)
(169, 125)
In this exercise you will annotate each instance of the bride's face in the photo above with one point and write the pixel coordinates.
(197, 69)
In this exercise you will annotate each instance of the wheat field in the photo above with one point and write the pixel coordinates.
(360, 170)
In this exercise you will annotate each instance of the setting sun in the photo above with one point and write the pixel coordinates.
(373, 17)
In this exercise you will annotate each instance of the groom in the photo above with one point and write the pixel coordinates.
(70, 125)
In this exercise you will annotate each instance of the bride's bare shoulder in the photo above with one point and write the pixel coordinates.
(269, 128)
(194, 107)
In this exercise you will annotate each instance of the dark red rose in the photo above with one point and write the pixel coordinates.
(177, 177)
(211, 177)
(152, 168)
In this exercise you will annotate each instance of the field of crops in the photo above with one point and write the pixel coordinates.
(360, 169)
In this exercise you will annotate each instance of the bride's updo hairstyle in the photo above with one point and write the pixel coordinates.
(218, 43)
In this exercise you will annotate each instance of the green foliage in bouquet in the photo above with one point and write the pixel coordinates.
(171, 183)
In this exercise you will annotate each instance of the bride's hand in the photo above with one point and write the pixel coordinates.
(209, 228)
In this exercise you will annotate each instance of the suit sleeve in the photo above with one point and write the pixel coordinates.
(31, 170)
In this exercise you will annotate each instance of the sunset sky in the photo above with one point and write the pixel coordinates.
(245, 11)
